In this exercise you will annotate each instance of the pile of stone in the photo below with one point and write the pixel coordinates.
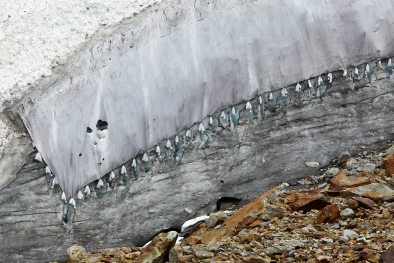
(347, 219)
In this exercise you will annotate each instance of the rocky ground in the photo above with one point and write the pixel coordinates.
(345, 214)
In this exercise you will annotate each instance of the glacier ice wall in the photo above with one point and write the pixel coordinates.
(186, 60)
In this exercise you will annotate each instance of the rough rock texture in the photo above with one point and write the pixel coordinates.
(241, 163)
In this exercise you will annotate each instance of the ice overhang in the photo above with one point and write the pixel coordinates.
(189, 60)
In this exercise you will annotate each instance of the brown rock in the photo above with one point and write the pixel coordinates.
(132, 255)
(119, 253)
(309, 199)
(74, 254)
(188, 258)
(388, 165)
(194, 240)
(341, 180)
(126, 250)
(328, 214)
(370, 255)
(289, 198)
(353, 204)
(386, 214)
(364, 202)
(157, 251)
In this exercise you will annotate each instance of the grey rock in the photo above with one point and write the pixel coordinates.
(332, 171)
(346, 213)
(312, 164)
(270, 211)
(327, 240)
(203, 254)
(343, 239)
(349, 234)
(173, 256)
(214, 218)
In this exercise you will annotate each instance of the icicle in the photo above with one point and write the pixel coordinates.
(210, 120)
(38, 157)
(80, 195)
(271, 97)
(329, 77)
(223, 115)
(111, 176)
(319, 81)
(356, 70)
(380, 64)
(123, 170)
(87, 190)
(176, 139)
(54, 182)
(248, 106)
(158, 150)
(145, 158)
(64, 197)
(168, 144)
(188, 134)
(100, 183)
(344, 72)
(309, 84)
(233, 111)
(283, 93)
(298, 87)
(47, 170)
(367, 68)
(72, 202)
(201, 128)
(260, 100)
(389, 63)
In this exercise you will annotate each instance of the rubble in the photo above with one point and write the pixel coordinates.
(348, 220)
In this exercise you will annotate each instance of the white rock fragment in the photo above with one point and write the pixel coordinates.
(72, 202)
(309, 83)
(80, 195)
(145, 157)
(270, 96)
(111, 176)
(349, 234)
(210, 120)
(63, 197)
(283, 92)
(47, 170)
(54, 182)
(158, 150)
(319, 81)
(168, 144)
(298, 87)
(201, 128)
(176, 139)
(260, 100)
(312, 164)
(233, 111)
(123, 170)
(188, 133)
(389, 63)
(223, 115)
(100, 183)
(380, 64)
(87, 190)
(344, 72)
(188, 210)
(248, 106)
(346, 213)
(134, 163)
(367, 68)
(329, 77)
(356, 70)
(38, 157)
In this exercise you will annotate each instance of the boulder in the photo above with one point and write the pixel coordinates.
(374, 191)
(341, 180)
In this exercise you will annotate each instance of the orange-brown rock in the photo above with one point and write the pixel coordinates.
(157, 251)
(374, 191)
(388, 165)
(237, 221)
(188, 258)
(353, 204)
(364, 202)
(341, 180)
(194, 240)
(289, 198)
(387, 256)
(309, 199)
(328, 214)
(370, 255)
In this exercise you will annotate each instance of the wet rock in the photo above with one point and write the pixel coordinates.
(374, 191)
(157, 251)
(216, 218)
(75, 254)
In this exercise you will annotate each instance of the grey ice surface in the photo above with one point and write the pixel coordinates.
(351, 113)
(186, 60)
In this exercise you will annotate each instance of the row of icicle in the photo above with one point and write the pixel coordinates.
(189, 135)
